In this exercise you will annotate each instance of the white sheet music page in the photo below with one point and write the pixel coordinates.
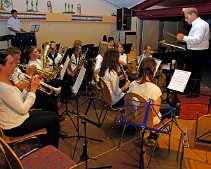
(79, 80)
(62, 72)
(179, 80)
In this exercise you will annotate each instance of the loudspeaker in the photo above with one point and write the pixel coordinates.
(124, 17)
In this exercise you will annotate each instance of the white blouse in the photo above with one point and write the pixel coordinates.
(112, 81)
(14, 105)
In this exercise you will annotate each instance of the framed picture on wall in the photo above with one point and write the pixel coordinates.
(7, 5)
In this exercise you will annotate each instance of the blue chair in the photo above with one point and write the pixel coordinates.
(138, 112)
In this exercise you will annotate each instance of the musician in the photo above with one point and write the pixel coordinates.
(103, 47)
(54, 57)
(108, 72)
(122, 55)
(15, 117)
(111, 43)
(43, 101)
(14, 24)
(71, 73)
(123, 73)
(198, 45)
(147, 52)
(145, 87)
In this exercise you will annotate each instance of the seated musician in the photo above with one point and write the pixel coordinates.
(32, 58)
(124, 73)
(15, 117)
(111, 43)
(147, 52)
(54, 57)
(73, 68)
(103, 47)
(145, 87)
(108, 72)
(43, 101)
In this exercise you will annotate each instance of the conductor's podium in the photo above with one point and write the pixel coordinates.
(190, 106)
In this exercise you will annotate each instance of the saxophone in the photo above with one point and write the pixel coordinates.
(80, 64)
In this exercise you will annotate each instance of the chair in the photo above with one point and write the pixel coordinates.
(138, 112)
(107, 102)
(196, 137)
(14, 141)
(47, 157)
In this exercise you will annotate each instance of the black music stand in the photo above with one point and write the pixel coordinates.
(75, 89)
(90, 55)
(127, 48)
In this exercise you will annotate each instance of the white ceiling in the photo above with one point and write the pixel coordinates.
(124, 3)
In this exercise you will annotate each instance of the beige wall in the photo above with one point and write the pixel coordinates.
(66, 32)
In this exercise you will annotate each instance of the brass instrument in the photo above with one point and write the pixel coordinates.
(45, 55)
(46, 88)
(48, 76)
(81, 62)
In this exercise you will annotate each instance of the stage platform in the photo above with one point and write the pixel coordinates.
(190, 106)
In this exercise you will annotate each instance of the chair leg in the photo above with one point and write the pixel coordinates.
(180, 140)
(169, 144)
(153, 151)
(206, 157)
(181, 143)
(103, 116)
(123, 131)
(113, 125)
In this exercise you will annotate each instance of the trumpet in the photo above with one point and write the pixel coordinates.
(46, 88)
(47, 75)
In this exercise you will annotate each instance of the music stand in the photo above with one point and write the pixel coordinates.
(75, 90)
(86, 47)
(127, 48)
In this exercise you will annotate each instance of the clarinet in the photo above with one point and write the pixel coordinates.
(123, 71)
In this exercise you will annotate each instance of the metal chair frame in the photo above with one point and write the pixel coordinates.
(107, 102)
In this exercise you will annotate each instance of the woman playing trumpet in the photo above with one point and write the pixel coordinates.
(15, 117)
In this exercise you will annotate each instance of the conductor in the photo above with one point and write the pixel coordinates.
(197, 45)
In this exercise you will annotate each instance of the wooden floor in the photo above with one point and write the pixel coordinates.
(127, 157)
(105, 153)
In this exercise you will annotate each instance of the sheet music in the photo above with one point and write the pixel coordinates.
(62, 72)
(179, 80)
(79, 80)
(158, 61)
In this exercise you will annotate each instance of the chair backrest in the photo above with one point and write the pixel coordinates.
(12, 158)
(136, 107)
(106, 95)
(1, 133)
